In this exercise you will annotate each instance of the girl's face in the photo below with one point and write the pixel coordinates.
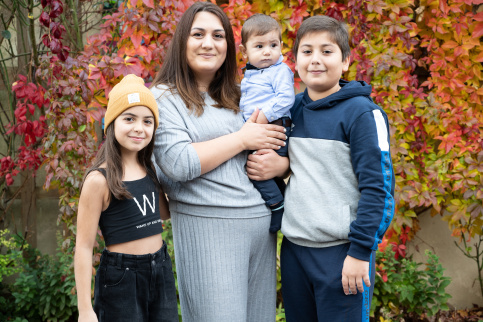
(206, 47)
(134, 128)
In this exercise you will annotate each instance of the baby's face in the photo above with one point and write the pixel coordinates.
(262, 51)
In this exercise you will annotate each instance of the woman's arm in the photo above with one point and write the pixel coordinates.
(267, 164)
(91, 203)
(251, 136)
(182, 160)
(163, 206)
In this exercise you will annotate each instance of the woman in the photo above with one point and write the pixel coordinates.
(225, 256)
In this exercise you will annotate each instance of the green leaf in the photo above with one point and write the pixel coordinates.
(82, 128)
(6, 34)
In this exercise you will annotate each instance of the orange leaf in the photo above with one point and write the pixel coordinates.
(136, 39)
(458, 51)
(449, 45)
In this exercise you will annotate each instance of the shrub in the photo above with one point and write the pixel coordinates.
(44, 289)
(10, 254)
(11, 262)
(403, 290)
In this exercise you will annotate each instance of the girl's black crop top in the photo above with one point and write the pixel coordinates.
(132, 219)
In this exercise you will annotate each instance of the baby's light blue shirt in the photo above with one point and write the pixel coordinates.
(270, 89)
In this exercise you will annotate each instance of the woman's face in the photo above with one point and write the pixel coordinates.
(206, 47)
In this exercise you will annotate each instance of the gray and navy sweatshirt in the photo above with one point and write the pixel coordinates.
(342, 184)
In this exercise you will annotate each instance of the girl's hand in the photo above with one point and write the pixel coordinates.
(266, 164)
(88, 316)
(261, 136)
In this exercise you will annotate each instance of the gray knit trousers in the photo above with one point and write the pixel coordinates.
(226, 268)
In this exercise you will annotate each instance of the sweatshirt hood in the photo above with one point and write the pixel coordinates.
(348, 90)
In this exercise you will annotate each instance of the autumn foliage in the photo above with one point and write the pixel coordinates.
(423, 59)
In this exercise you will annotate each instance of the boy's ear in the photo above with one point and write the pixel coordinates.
(243, 50)
(346, 63)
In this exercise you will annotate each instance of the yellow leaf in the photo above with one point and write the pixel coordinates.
(456, 202)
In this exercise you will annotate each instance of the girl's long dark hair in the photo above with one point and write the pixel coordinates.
(178, 76)
(110, 153)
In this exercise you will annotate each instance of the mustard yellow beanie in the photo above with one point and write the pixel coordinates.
(130, 92)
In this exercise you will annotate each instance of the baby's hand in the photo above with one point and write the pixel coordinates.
(262, 119)
(355, 272)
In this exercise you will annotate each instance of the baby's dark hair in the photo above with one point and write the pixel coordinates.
(336, 29)
(259, 25)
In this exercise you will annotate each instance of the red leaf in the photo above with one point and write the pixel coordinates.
(44, 19)
(55, 46)
(384, 277)
(478, 16)
(31, 108)
(443, 6)
(9, 179)
(478, 32)
(149, 3)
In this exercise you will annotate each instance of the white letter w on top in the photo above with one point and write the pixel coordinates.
(145, 199)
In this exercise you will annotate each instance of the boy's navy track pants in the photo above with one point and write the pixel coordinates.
(312, 285)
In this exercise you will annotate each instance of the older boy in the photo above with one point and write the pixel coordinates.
(339, 201)
(268, 86)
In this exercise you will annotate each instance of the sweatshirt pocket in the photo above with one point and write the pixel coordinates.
(345, 222)
(328, 224)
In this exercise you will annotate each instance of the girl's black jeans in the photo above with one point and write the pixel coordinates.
(135, 288)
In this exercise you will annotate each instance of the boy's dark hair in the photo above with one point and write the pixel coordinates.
(259, 25)
(336, 29)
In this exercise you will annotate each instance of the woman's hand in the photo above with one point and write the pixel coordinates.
(266, 164)
(261, 136)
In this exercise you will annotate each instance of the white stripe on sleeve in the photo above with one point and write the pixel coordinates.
(381, 130)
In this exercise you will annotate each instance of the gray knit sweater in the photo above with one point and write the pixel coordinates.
(226, 191)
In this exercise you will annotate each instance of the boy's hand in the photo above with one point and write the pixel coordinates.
(354, 273)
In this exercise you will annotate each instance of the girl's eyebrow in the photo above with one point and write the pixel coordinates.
(131, 114)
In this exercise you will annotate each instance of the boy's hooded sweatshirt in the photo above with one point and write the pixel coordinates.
(342, 183)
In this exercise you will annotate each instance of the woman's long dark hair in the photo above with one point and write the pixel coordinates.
(177, 75)
(110, 153)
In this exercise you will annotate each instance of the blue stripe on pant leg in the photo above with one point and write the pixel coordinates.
(367, 296)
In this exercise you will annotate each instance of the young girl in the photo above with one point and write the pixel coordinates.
(121, 194)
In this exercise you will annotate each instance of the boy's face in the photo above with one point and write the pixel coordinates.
(262, 51)
(320, 65)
